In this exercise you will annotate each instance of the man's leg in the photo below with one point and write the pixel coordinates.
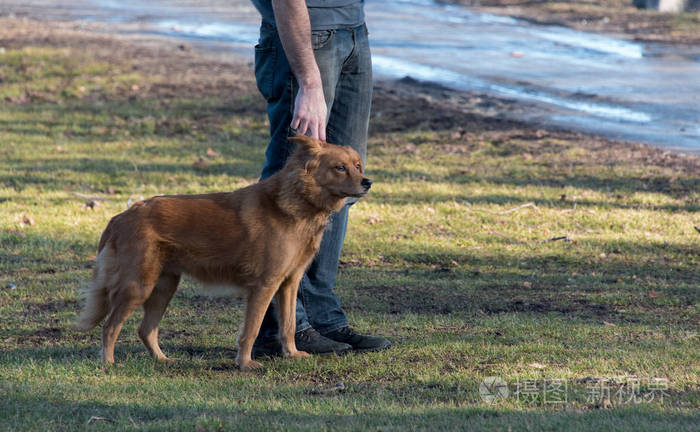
(348, 123)
(343, 58)
(274, 79)
(279, 87)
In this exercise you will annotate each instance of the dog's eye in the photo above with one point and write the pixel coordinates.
(359, 167)
(340, 167)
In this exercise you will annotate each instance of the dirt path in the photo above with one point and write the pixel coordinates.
(399, 105)
(615, 17)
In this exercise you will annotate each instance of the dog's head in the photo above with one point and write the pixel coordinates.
(336, 170)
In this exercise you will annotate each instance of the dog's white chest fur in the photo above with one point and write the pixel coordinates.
(222, 290)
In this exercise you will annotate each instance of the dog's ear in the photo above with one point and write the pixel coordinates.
(311, 145)
(311, 165)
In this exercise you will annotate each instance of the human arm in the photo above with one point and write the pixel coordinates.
(294, 29)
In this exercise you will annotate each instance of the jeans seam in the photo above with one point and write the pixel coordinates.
(291, 105)
(333, 328)
(331, 36)
(300, 296)
(302, 328)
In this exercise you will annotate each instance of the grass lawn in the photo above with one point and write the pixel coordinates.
(565, 265)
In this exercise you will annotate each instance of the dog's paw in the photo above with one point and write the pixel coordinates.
(167, 360)
(249, 365)
(299, 355)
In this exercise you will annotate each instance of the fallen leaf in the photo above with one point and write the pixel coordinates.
(609, 324)
(537, 365)
(527, 284)
(26, 221)
(201, 163)
(652, 294)
(91, 205)
(212, 153)
(373, 220)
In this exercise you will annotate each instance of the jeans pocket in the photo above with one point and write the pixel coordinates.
(265, 60)
(321, 38)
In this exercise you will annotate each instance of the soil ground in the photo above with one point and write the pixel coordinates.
(615, 17)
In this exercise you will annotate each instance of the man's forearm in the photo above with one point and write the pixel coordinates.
(294, 28)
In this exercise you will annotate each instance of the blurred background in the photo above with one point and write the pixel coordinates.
(600, 67)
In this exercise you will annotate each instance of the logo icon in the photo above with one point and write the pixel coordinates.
(493, 388)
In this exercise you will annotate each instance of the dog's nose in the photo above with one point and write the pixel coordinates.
(367, 183)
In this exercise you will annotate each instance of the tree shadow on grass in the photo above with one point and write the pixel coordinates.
(123, 170)
(415, 197)
(621, 186)
(239, 409)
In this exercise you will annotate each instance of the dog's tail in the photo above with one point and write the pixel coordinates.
(95, 294)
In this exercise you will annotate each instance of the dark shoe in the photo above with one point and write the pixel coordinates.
(312, 342)
(308, 340)
(359, 342)
(269, 348)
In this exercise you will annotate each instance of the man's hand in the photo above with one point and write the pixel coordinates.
(294, 28)
(310, 112)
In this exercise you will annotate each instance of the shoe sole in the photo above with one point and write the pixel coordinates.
(364, 350)
(325, 353)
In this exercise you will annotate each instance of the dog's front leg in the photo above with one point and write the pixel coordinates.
(287, 315)
(258, 301)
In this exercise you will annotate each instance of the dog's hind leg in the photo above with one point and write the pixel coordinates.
(286, 314)
(131, 293)
(153, 311)
(258, 301)
(124, 306)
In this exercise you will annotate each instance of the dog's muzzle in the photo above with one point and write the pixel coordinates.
(366, 183)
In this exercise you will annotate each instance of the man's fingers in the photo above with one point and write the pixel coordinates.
(296, 121)
(303, 127)
(316, 129)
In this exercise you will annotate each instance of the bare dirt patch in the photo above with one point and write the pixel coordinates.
(618, 17)
(464, 118)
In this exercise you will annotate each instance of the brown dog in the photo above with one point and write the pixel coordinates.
(259, 239)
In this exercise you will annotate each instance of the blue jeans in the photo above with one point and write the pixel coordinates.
(343, 58)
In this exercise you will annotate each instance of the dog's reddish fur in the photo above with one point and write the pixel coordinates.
(260, 239)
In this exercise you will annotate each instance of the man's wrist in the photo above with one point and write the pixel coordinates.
(311, 82)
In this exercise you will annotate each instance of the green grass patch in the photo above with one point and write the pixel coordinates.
(536, 257)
